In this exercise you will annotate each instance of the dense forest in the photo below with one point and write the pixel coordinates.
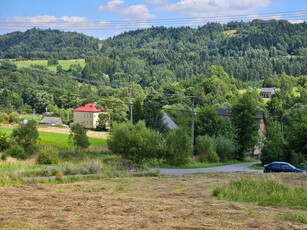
(45, 44)
(247, 51)
(185, 72)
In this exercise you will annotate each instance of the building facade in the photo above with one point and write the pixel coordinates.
(88, 115)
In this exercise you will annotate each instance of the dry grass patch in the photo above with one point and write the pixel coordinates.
(183, 202)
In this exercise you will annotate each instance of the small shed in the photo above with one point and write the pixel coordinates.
(51, 121)
(267, 92)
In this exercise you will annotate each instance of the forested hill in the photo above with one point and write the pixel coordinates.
(247, 51)
(44, 44)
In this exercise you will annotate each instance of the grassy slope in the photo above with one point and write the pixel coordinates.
(58, 139)
(64, 63)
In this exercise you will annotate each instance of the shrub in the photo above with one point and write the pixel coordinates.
(3, 156)
(135, 143)
(225, 148)
(178, 147)
(14, 117)
(17, 151)
(4, 142)
(48, 156)
(205, 147)
(4, 118)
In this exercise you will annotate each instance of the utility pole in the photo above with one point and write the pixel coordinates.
(33, 114)
(192, 124)
(131, 118)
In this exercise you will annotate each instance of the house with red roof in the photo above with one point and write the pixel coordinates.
(88, 115)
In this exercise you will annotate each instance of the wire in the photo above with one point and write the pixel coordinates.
(134, 23)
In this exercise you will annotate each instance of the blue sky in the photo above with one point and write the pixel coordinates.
(105, 18)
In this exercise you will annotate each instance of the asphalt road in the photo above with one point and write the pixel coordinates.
(226, 168)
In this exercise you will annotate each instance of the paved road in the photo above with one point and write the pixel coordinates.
(226, 168)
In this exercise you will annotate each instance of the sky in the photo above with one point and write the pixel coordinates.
(107, 18)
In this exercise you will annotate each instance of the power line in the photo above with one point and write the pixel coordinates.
(133, 23)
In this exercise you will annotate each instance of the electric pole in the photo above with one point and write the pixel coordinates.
(192, 124)
(131, 118)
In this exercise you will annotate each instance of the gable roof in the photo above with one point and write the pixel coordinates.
(90, 107)
(267, 90)
(168, 121)
(51, 121)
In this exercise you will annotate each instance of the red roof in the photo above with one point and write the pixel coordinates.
(90, 107)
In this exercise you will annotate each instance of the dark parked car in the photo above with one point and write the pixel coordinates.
(281, 167)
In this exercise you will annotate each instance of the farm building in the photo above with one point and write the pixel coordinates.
(88, 115)
(267, 92)
(51, 121)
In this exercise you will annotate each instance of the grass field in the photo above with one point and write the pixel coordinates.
(58, 139)
(64, 63)
(179, 202)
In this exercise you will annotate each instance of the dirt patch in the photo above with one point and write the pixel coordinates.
(90, 133)
(184, 202)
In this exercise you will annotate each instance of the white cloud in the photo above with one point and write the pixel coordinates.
(73, 19)
(67, 23)
(202, 8)
(35, 19)
(139, 11)
(157, 2)
(111, 5)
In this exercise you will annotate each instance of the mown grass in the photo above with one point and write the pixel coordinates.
(195, 164)
(58, 139)
(263, 192)
(64, 63)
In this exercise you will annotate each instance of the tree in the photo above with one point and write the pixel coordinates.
(153, 114)
(103, 120)
(246, 122)
(26, 135)
(78, 136)
(273, 148)
(40, 100)
(208, 121)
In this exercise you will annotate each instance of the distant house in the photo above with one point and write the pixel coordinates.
(51, 121)
(88, 115)
(168, 122)
(261, 131)
(267, 92)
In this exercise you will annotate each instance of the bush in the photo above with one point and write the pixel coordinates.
(178, 147)
(48, 156)
(135, 143)
(14, 117)
(17, 151)
(4, 118)
(206, 149)
(4, 142)
(225, 148)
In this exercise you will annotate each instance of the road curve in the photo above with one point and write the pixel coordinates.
(244, 167)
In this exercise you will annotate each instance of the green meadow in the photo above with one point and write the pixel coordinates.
(64, 63)
(58, 139)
